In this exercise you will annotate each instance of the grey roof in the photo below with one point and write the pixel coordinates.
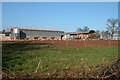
(81, 32)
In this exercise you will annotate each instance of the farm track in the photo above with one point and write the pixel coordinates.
(75, 42)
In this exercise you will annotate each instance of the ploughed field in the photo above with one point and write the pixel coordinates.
(75, 42)
(41, 60)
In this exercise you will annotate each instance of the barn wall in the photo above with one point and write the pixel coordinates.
(3, 37)
(33, 33)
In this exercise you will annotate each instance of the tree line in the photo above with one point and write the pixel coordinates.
(112, 27)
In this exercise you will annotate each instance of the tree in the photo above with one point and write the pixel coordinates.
(86, 28)
(111, 26)
(105, 34)
(79, 30)
(118, 23)
(3, 32)
(97, 35)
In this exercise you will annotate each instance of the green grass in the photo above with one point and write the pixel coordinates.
(20, 57)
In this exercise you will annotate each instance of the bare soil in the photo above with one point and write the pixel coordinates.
(74, 42)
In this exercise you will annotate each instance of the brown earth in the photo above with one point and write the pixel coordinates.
(75, 42)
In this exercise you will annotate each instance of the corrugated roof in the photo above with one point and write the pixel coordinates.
(81, 32)
(35, 29)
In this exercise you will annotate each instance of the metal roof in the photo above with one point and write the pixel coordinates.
(81, 32)
(35, 29)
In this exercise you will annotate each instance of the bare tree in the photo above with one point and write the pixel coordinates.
(105, 34)
(86, 28)
(111, 26)
(79, 29)
(97, 35)
(118, 23)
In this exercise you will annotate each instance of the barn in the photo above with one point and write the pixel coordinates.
(35, 33)
(80, 35)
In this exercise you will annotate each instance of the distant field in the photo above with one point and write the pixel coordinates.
(56, 61)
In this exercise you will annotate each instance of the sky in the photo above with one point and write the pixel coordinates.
(65, 16)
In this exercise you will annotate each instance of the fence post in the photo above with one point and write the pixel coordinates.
(85, 43)
(109, 42)
(66, 43)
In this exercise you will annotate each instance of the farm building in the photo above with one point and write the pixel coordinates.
(80, 35)
(35, 33)
(4, 35)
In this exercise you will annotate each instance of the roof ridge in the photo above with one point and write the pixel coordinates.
(35, 29)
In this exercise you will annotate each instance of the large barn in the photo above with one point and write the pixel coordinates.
(35, 33)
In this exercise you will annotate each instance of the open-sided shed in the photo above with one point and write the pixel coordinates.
(80, 35)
